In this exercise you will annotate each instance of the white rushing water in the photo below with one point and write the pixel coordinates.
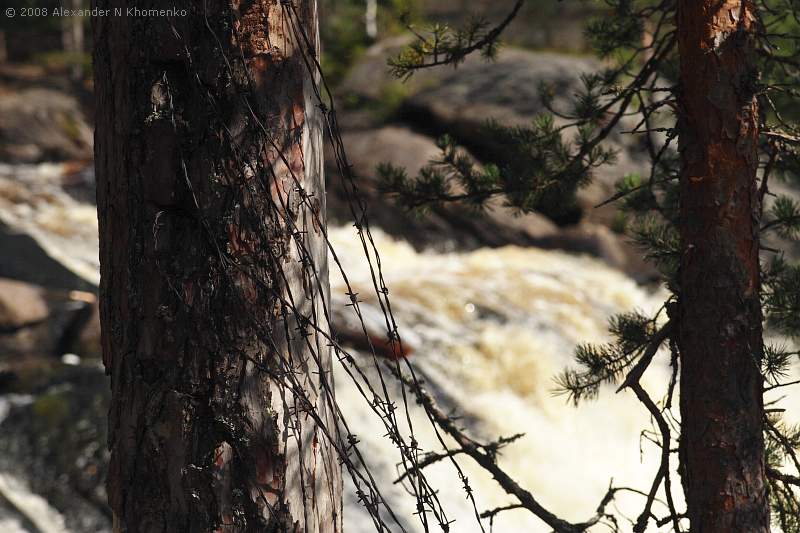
(22, 511)
(25, 511)
(490, 329)
(33, 202)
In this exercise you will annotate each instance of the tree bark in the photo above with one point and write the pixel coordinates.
(720, 340)
(211, 208)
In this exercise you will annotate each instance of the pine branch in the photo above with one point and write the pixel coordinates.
(488, 462)
(445, 46)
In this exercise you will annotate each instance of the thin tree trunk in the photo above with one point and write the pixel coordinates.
(371, 19)
(207, 134)
(72, 39)
(3, 47)
(720, 339)
(76, 29)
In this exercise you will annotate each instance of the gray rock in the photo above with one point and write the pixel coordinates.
(42, 124)
(599, 241)
(21, 305)
(398, 145)
(456, 226)
(369, 78)
(460, 100)
(55, 323)
(450, 226)
(507, 90)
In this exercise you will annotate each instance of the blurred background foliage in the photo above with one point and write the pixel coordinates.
(544, 24)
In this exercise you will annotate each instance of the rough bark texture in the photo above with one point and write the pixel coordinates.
(204, 122)
(720, 325)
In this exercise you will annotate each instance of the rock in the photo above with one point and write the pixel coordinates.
(393, 144)
(56, 442)
(507, 91)
(370, 79)
(38, 322)
(449, 226)
(48, 231)
(21, 305)
(41, 124)
(459, 101)
(599, 241)
(529, 226)
(86, 341)
(26, 341)
(456, 226)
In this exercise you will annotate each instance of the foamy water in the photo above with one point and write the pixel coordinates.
(490, 330)
(25, 511)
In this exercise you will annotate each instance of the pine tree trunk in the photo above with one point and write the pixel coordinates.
(207, 132)
(722, 447)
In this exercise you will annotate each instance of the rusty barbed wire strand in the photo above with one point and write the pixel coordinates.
(393, 431)
(308, 315)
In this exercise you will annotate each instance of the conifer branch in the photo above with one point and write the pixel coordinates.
(449, 47)
(647, 357)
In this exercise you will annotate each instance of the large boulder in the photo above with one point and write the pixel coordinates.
(395, 144)
(508, 91)
(369, 78)
(21, 305)
(35, 321)
(440, 228)
(42, 124)
(456, 225)
(460, 100)
(599, 241)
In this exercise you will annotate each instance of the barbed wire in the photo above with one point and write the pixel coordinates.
(381, 404)
(288, 217)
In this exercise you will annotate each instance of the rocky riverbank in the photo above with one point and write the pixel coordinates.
(491, 305)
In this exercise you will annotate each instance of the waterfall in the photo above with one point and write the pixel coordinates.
(489, 330)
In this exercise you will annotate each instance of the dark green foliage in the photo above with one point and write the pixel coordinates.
(785, 507)
(540, 167)
(441, 44)
(343, 31)
(781, 296)
(441, 40)
(660, 243)
(782, 441)
(536, 169)
(776, 363)
(622, 30)
(607, 363)
(454, 176)
(784, 217)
